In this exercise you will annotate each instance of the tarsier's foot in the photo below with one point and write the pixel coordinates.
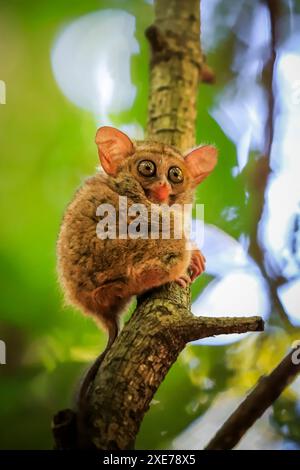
(183, 281)
(196, 267)
(197, 264)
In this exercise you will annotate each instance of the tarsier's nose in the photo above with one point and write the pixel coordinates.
(161, 191)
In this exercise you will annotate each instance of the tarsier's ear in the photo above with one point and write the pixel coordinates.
(113, 146)
(201, 162)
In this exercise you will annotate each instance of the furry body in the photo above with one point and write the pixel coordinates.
(100, 276)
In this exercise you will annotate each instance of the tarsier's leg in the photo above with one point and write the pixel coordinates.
(108, 302)
(182, 268)
(155, 272)
(111, 297)
(196, 267)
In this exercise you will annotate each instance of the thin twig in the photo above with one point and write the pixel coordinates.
(260, 398)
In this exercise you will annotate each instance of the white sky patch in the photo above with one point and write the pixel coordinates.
(283, 194)
(241, 109)
(241, 112)
(91, 63)
(215, 27)
(238, 290)
(230, 213)
(238, 293)
(105, 87)
(197, 435)
(283, 199)
(289, 295)
(222, 252)
(254, 31)
(220, 18)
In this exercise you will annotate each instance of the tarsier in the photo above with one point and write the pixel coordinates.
(100, 276)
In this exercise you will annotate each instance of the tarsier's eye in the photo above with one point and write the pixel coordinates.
(175, 174)
(147, 168)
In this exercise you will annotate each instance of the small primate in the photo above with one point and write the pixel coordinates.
(100, 276)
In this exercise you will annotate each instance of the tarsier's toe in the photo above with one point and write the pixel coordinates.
(194, 271)
(183, 281)
(197, 265)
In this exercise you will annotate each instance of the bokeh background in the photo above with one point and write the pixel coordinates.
(68, 67)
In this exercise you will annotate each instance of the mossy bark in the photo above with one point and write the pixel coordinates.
(175, 71)
(140, 359)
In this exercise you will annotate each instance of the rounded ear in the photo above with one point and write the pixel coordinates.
(201, 162)
(113, 147)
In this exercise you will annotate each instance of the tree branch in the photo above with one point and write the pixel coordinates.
(260, 398)
(175, 72)
(195, 328)
(140, 358)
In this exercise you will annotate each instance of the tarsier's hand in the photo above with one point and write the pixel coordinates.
(196, 267)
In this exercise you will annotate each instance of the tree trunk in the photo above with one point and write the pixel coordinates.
(174, 72)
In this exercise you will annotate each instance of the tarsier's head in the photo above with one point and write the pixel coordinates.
(162, 171)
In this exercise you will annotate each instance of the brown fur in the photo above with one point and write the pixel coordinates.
(100, 276)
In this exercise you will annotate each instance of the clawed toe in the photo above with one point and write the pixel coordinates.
(197, 265)
(183, 281)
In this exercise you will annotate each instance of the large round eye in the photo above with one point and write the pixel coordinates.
(146, 168)
(175, 174)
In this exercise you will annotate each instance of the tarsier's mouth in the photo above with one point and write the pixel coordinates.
(160, 194)
(157, 198)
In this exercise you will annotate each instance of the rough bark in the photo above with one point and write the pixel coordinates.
(162, 324)
(174, 72)
(138, 362)
(259, 399)
(141, 357)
